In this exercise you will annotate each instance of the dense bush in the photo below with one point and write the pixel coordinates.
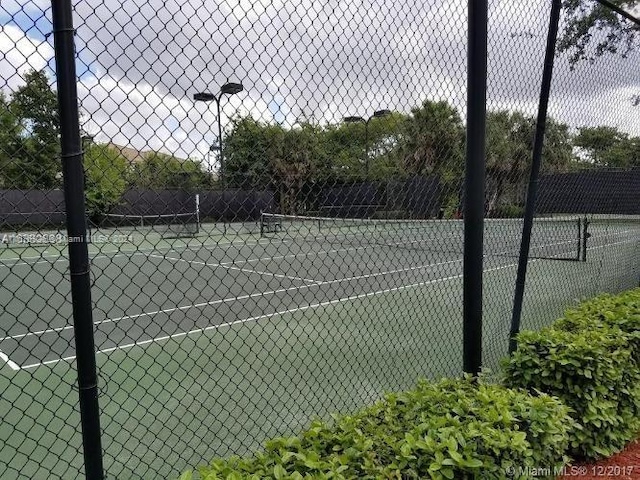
(450, 429)
(622, 311)
(589, 359)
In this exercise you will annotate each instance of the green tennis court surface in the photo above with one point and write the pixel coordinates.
(195, 337)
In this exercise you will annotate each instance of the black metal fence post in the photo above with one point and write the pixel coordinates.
(474, 184)
(585, 237)
(532, 190)
(73, 174)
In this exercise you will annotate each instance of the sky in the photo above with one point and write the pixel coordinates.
(139, 62)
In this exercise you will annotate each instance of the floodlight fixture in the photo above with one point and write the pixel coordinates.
(231, 88)
(381, 113)
(204, 97)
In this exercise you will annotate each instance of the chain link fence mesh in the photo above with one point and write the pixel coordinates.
(274, 201)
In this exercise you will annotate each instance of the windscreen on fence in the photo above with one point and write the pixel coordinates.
(274, 209)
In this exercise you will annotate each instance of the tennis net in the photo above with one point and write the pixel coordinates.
(168, 226)
(559, 238)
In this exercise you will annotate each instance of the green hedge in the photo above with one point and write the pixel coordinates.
(590, 360)
(572, 388)
(451, 429)
(622, 311)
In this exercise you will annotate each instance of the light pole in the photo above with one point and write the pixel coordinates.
(354, 119)
(229, 88)
(212, 148)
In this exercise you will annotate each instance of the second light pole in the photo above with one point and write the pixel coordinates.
(226, 89)
(353, 119)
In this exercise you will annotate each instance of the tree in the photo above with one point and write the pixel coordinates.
(387, 136)
(294, 163)
(344, 146)
(249, 151)
(592, 30)
(625, 154)
(160, 171)
(632, 146)
(36, 156)
(434, 140)
(510, 137)
(9, 141)
(432, 143)
(106, 172)
(609, 147)
(268, 156)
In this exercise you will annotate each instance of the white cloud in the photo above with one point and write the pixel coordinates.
(30, 7)
(18, 54)
(322, 60)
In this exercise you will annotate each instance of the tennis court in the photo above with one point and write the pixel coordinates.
(171, 289)
(154, 294)
(341, 301)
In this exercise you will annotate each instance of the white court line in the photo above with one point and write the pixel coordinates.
(362, 247)
(12, 365)
(142, 251)
(309, 253)
(296, 255)
(230, 299)
(245, 270)
(60, 258)
(260, 317)
(269, 274)
(611, 244)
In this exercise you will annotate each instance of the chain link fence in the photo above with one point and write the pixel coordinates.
(274, 201)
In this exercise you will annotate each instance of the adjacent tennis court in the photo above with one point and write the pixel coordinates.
(324, 293)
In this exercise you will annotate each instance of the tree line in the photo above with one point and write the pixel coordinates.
(427, 141)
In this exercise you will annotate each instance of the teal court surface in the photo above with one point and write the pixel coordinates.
(209, 343)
